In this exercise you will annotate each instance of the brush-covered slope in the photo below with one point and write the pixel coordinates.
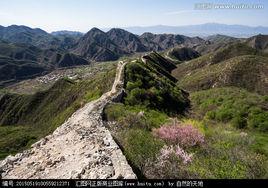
(158, 42)
(233, 50)
(67, 41)
(249, 72)
(234, 105)
(21, 51)
(221, 38)
(25, 118)
(237, 65)
(215, 42)
(163, 65)
(259, 42)
(159, 60)
(70, 59)
(230, 51)
(148, 122)
(222, 54)
(183, 54)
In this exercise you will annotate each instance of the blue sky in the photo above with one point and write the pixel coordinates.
(81, 15)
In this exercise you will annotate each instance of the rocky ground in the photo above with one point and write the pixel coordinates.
(82, 147)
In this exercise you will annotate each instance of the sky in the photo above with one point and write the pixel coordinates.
(82, 15)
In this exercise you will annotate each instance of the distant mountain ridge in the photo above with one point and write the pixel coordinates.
(200, 30)
(66, 32)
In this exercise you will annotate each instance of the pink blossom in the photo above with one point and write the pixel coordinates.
(184, 135)
(167, 151)
(187, 158)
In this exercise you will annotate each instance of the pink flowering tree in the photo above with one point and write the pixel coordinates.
(167, 151)
(184, 135)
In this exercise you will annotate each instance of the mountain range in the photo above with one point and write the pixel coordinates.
(101, 46)
(202, 30)
(95, 45)
(33, 51)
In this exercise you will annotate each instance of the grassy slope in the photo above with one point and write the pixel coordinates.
(249, 72)
(238, 107)
(228, 152)
(220, 55)
(27, 118)
(226, 113)
(235, 65)
(221, 109)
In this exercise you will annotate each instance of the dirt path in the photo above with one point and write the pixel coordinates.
(80, 148)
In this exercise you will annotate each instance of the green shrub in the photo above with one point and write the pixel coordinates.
(227, 154)
(145, 87)
(137, 96)
(265, 98)
(140, 147)
(133, 85)
(113, 112)
(239, 122)
(210, 115)
(134, 116)
(224, 114)
(232, 105)
(261, 142)
(258, 119)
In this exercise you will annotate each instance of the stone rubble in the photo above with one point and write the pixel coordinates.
(82, 147)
